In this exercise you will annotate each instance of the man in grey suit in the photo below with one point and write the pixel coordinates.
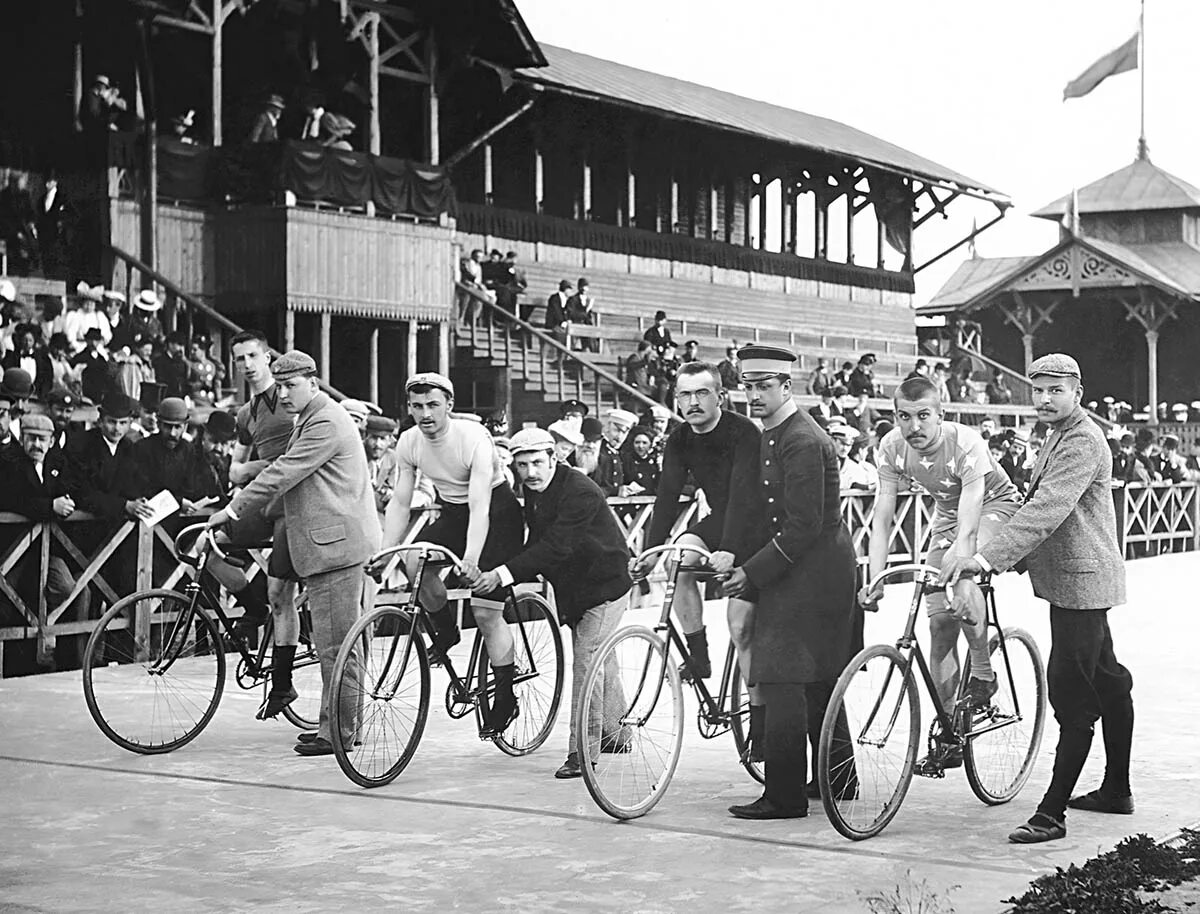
(1066, 534)
(329, 513)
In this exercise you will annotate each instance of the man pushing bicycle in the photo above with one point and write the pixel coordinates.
(973, 497)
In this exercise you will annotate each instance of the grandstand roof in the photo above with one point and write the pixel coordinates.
(1135, 188)
(604, 80)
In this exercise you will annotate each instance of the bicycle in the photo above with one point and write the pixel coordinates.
(627, 782)
(872, 726)
(154, 667)
(384, 660)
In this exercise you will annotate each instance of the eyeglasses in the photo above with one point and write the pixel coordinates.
(683, 396)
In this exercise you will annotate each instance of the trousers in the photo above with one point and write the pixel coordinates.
(1086, 683)
(795, 712)
(591, 631)
(334, 600)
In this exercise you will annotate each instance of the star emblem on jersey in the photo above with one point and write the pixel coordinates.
(926, 462)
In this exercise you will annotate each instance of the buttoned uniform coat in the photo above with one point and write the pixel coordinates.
(1066, 532)
(805, 572)
(322, 477)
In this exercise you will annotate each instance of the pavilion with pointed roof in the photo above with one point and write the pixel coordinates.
(1128, 252)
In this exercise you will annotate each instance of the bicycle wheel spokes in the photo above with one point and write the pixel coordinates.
(538, 657)
(630, 723)
(1003, 742)
(153, 672)
(869, 742)
(739, 710)
(380, 697)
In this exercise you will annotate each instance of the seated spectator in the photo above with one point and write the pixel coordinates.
(266, 125)
(659, 335)
(1012, 462)
(567, 438)
(665, 370)
(102, 470)
(639, 368)
(143, 320)
(492, 269)
(511, 287)
(862, 378)
(691, 352)
(941, 375)
(640, 466)
(820, 381)
(34, 484)
(987, 428)
(470, 273)
(214, 446)
(77, 323)
(861, 417)
(658, 421)
(63, 372)
(204, 375)
(137, 368)
(731, 377)
(100, 108)
(829, 405)
(920, 370)
(998, 390)
(171, 368)
(581, 311)
(28, 355)
(503, 446)
(60, 407)
(842, 378)
(1145, 459)
(587, 452)
(165, 460)
(96, 374)
(959, 385)
(114, 310)
(145, 421)
(335, 128)
(854, 473)
(1172, 466)
(573, 412)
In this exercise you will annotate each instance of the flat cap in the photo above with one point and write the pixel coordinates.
(560, 430)
(759, 362)
(842, 431)
(221, 425)
(356, 408)
(1055, 365)
(294, 364)
(573, 406)
(117, 405)
(531, 439)
(380, 425)
(17, 384)
(36, 424)
(622, 415)
(430, 379)
(172, 410)
(60, 396)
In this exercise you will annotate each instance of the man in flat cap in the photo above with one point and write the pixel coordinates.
(331, 529)
(1065, 534)
(577, 545)
(33, 483)
(804, 575)
(379, 441)
(480, 521)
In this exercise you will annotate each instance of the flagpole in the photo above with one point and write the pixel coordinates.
(1143, 152)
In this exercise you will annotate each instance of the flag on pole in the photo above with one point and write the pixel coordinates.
(1120, 60)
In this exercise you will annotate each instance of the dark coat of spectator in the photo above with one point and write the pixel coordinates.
(659, 335)
(998, 390)
(102, 480)
(639, 368)
(171, 370)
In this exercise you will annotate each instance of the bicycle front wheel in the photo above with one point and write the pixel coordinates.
(379, 701)
(538, 683)
(634, 700)
(305, 711)
(869, 742)
(1003, 741)
(153, 671)
(739, 720)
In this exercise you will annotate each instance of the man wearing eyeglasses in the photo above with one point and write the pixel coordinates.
(719, 450)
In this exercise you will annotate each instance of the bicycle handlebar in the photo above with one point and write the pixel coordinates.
(379, 557)
(674, 547)
(919, 569)
(205, 532)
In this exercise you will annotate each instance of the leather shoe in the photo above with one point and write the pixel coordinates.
(306, 736)
(318, 746)
(276, 702)
(569, 769)
(1100, 802)
(762, 808)
(1038, 829)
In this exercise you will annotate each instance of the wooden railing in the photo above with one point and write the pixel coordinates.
(1151, 520)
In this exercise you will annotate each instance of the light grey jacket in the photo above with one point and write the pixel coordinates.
(1067, 531)
(322, 477)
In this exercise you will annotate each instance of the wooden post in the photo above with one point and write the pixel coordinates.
(410, 357)
(713, 203)
(289, 330)
(762, 211)
(1152, 373)
(850, 224)
(539, 180)
(1151, 312)
(373, 360)
(77, 93)
(444, 348)
(488, 185)
(1027, 346)
(373, 142)
(787, 218)
(326, 333)
(747, 229)
(674, 204)
(630, 196)
(586, 215)
(218, 54)
(433, 125)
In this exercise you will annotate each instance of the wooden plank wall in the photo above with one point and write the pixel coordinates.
(186, 243)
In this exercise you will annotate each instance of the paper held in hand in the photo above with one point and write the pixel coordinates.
(162, 506)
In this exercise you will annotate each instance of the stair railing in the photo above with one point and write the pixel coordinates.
(535, 346)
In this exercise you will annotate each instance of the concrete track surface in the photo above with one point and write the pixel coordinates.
(236, 821)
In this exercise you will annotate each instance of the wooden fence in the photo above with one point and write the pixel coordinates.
(1151, 520)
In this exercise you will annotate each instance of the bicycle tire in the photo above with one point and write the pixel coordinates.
(869, 700)
(305, 711)
(1002, 746)
(628, 783)
(393, 664)
(181, 700)
(739, 722)
(537, 645)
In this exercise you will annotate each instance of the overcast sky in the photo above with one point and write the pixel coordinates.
(975, 85)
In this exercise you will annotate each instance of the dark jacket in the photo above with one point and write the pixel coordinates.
(44, 379)
(179, 470)
(575, 543)
(556, 310)
(609, 474)
(172, 374)
(21, 492)
(99, 481)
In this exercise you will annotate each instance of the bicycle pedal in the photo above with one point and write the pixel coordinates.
(929, 771)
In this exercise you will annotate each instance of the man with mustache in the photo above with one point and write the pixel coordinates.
(973, 497)
(719, 450)
(1066, 535)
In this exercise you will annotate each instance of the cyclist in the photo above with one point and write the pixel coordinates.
(480, 520)
(973, 497)
(718, 449)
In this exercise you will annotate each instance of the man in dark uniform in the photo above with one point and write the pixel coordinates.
(804, 576)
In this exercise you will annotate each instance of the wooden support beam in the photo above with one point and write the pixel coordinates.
(373, 63)
(539, 179)
(488, 186)
(326, 349)
(483, 138)
(433, 120)
(218, 58)
(586, 214)
(1151, 311)
(373, 363)
(289, 330)
(443, 348)
(410, 355)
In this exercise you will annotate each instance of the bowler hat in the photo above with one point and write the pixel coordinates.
(172, 410)
(221, 425)
(116, 405)
(17, 384)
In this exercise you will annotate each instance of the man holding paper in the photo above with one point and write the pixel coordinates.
(165, 462)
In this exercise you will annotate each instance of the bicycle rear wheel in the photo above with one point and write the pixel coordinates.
(869, 742)
(633, 687)
(381, 679)
(305, 711)
(739, 719)
(1003, 741)
(154, 688)
(538, 656)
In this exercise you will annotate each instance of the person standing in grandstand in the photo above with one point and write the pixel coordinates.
(719, 450)
(480, 520)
